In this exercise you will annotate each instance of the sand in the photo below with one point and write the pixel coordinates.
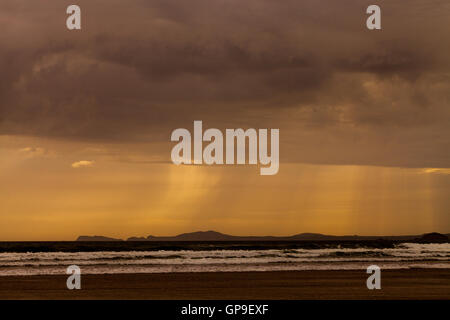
(396, 284)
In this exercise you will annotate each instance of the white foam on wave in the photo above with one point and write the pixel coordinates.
(406, 255)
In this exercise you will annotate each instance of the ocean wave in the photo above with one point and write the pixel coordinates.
(402, 256)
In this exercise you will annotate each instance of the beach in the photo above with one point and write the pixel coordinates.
(290, 285)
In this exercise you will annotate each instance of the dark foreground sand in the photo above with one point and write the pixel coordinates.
(396, 284)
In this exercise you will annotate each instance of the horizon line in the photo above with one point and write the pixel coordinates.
(237, 236)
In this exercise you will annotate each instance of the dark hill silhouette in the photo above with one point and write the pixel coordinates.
(96, 238)
(217, 236)
(433, 237)
(196, 236)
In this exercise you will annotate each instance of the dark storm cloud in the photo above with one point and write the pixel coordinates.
(137, 70)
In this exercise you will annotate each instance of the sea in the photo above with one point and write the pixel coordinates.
(218, 258)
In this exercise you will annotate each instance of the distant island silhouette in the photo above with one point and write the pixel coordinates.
(433, 237)
(213, 240)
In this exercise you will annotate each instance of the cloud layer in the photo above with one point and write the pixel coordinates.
(82, 163)
(137, 70)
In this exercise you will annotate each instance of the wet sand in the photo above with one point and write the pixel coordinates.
(396, 284)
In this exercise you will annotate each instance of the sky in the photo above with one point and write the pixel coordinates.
(86, 117)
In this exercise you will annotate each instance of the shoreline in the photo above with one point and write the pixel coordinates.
(269, 285)
(356, 269)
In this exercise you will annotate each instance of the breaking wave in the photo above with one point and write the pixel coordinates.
(406, 255)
